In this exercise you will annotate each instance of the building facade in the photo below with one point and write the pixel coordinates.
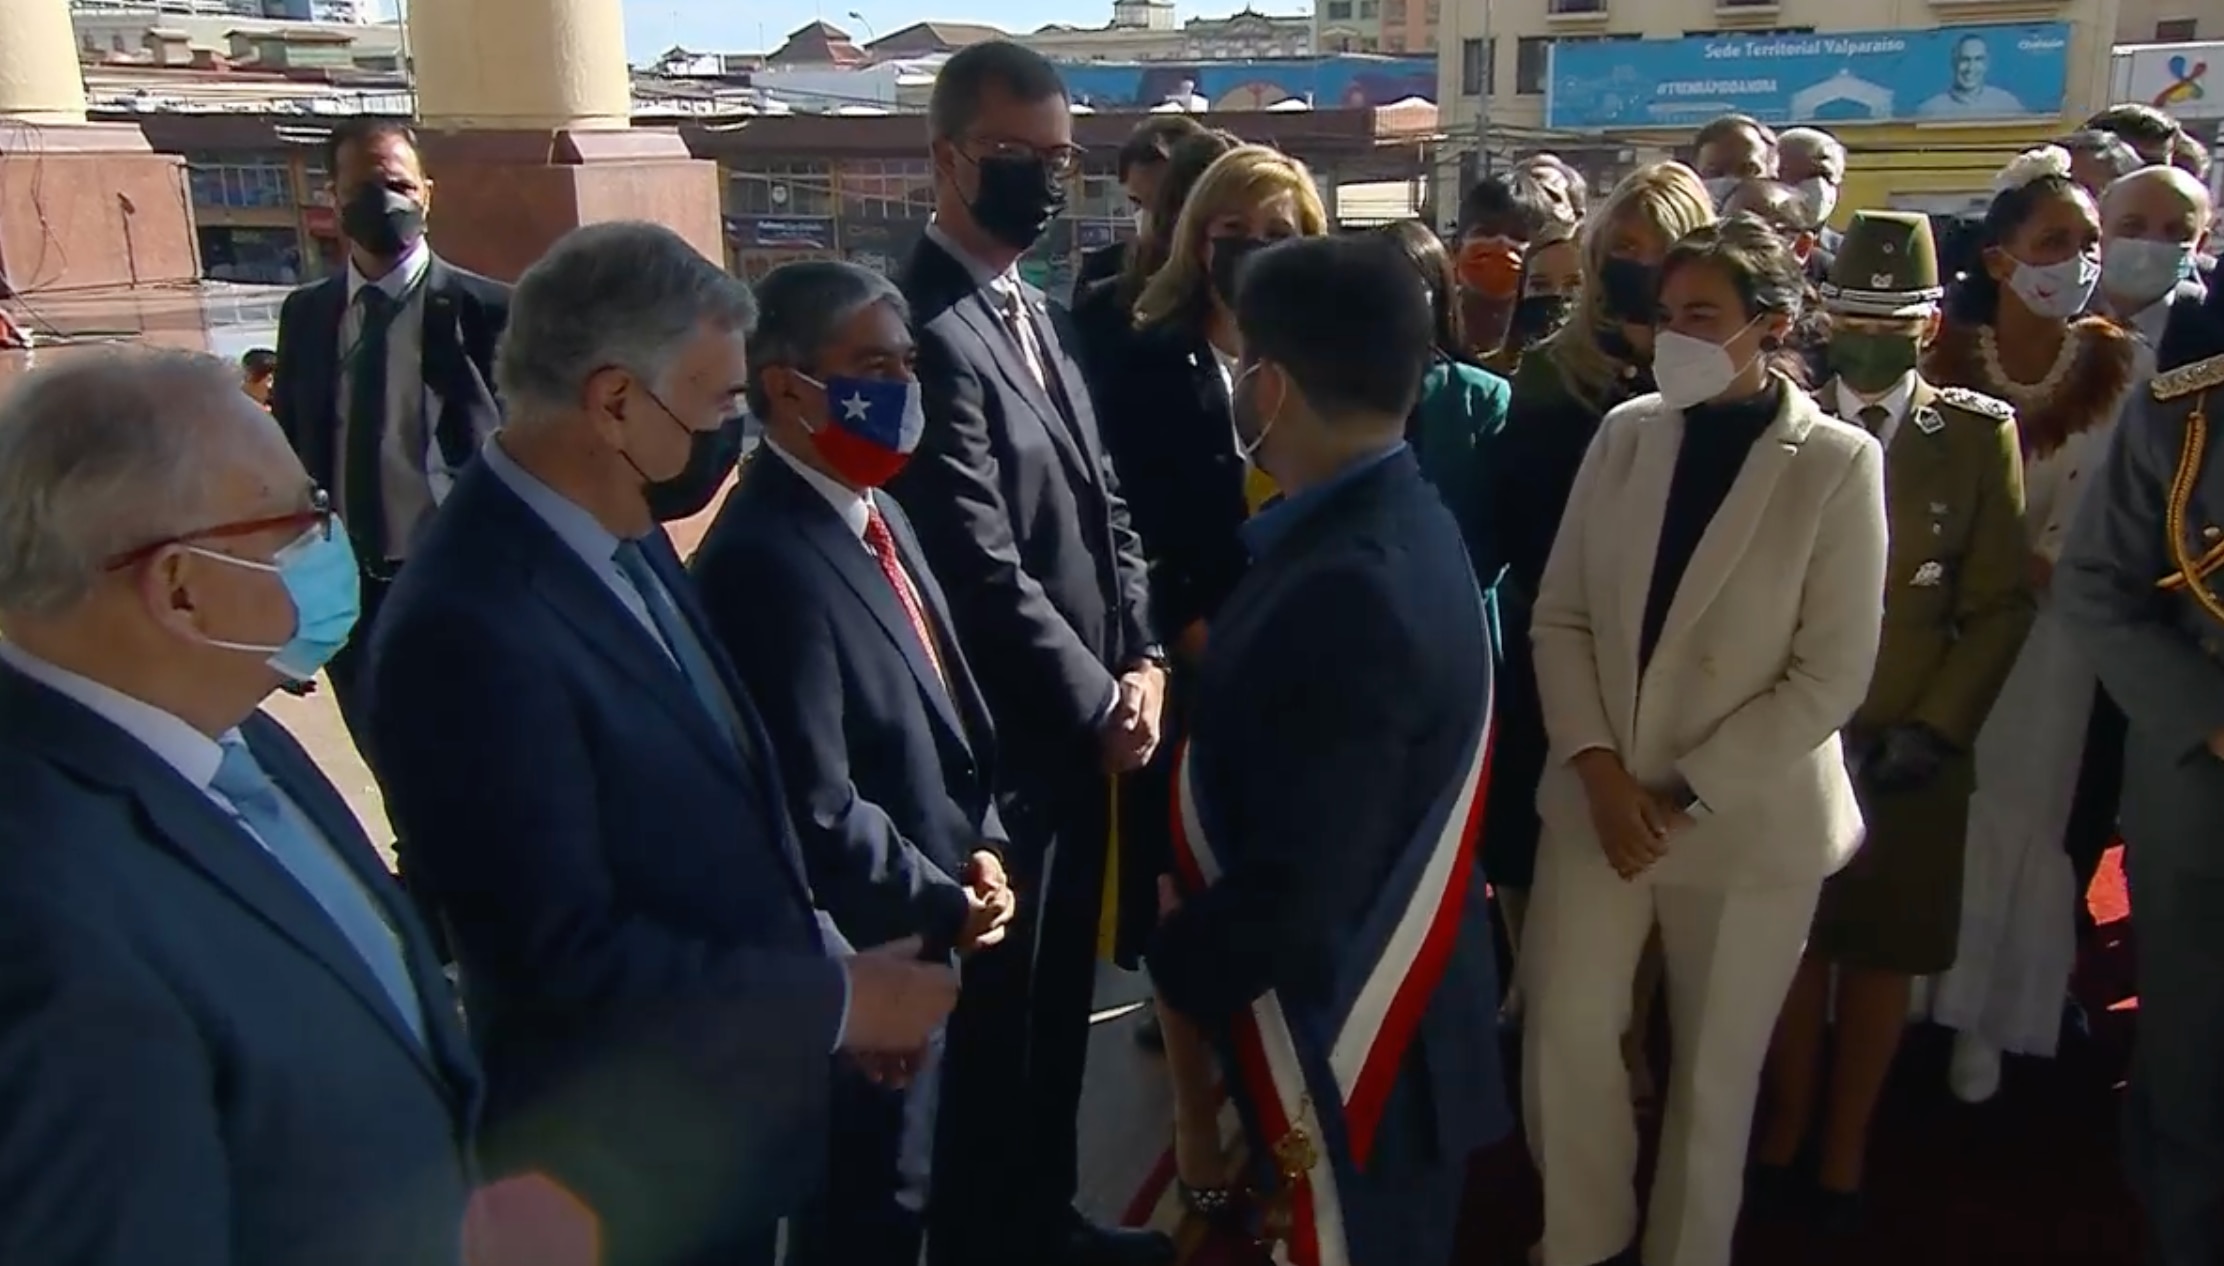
(1931, 96)
(1376, 26)
(1148, 31)
(2169, 21)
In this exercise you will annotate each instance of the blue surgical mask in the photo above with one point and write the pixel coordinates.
(321, 578)
(2143, 271)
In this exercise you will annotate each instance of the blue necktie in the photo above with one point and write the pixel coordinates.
(679, 638)
(319, 870)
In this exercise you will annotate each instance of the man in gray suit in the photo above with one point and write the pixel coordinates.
(2141, 587)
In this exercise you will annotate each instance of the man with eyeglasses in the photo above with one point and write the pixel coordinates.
(1017, 508)
(224, 1037)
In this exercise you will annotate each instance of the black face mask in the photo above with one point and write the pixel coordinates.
(1631, 291)
(382, 221)
(1017, 198)
(1229, 254)
(1537, 318)
(711, 456)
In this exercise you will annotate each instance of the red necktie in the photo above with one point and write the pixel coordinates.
(882, 543)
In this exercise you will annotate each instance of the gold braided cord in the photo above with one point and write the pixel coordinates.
(2192, 573)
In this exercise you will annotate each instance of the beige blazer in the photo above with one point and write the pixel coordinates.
(1765, 653)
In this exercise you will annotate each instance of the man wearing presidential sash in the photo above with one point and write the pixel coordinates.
(1327, 928)
(2140, 587)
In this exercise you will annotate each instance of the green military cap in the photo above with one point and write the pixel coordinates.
(1887, 266)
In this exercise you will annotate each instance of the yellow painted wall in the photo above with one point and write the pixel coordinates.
(1891, 160)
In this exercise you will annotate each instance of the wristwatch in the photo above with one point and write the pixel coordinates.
(1690, 805)
(1154, 655)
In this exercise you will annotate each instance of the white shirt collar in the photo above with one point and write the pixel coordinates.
(1893, 402)
(193, 754)
(982, 274)
(856, 508)
(397, 284)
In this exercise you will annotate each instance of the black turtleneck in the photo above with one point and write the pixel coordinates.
(1716, 437)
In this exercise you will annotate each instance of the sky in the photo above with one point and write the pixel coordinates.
(727, 26)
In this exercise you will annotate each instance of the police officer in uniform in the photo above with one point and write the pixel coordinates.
(1957, 604)
(2141, 588)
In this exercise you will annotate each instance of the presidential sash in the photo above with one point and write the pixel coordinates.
(1312, 1080)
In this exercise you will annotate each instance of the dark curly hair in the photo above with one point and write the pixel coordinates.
(1975, 298)
(1759, 264)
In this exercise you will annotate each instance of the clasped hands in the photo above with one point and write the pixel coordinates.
(1130, 734)
(1634, 824)
(897, 1000)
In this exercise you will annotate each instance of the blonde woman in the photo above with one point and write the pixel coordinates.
(1170, 429)
(1708, 621)
(1563, 387)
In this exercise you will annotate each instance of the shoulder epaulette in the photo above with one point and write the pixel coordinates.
(1977, 402)
(2187, 379)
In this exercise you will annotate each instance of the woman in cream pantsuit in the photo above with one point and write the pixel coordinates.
(1708, 620)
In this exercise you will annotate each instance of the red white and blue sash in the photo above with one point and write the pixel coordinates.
(1318, 1077)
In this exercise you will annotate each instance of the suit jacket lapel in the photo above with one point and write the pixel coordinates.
(755, 742)
(320, 369)
(192, 827)
(980, 314)
(1066, 382)
(977, 733)
(290, 768)
(1652, 468)
(1731, 532)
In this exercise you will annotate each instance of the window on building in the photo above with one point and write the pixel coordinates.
(2177, 30)
(781, 188)
(1477, 66)
(1370, 10)
(1339, 10)
(1532, 59)
(1579, 6)
(1393, 10)
(886, 188)
(253, 184)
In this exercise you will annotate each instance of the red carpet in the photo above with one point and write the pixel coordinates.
(2029, 1179)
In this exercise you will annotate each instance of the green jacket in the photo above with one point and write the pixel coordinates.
(1957, 596)
(1455, 425)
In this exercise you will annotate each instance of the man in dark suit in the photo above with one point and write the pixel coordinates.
(816, 586)
(591, 801)
(2153, 224)
(1329, 787)
(386, 368)
(1142, 167)
(1021, 518)
(224, 1038)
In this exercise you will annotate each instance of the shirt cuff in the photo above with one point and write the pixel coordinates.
(842, 952)
(1111, 705)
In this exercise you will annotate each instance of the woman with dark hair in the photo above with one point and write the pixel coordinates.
(1551, 282)
(1707, 623)
(2049, 759)
(1497, 219)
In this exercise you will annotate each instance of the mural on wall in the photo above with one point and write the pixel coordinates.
(1348, 80)
(1954, 74)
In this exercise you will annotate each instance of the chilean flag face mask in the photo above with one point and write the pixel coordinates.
(871, 427)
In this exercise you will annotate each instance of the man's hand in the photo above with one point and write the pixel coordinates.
(990, 903)
(1633, 824)
(896, 1001)
(1906, 757)
(894, 1070)
(1131, 732)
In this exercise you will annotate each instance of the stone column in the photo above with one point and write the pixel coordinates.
(82, 205)
(526, 130)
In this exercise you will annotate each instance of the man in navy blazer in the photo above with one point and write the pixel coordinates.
(591, 801)
(1333, 777)
(224, 1037)
(817, 588)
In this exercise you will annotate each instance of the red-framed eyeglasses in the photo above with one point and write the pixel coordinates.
(318, 517)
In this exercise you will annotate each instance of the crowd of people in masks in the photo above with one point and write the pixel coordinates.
(1690, 596)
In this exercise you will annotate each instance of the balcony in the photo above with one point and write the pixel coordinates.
(1565, 15)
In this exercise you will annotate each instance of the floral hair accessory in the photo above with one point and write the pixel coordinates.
(2030, 165)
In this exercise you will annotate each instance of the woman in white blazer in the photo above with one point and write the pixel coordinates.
(1708, 620)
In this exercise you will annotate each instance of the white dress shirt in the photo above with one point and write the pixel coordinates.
(1894, 403)
(413, 476)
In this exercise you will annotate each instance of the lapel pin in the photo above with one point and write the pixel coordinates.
(1938, 507)
(1929, 576)
(1928, 422)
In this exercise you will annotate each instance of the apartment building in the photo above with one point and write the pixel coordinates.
(1932, 96)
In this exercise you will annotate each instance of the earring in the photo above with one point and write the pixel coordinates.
(1771, 343)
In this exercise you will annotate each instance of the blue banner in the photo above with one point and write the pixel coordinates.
(1954, 74)
(1324, 83)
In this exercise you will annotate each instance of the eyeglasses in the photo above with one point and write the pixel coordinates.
(1060, 160)
(317, 518)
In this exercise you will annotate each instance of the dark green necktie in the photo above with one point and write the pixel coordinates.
(362, 501)
(1874, 416)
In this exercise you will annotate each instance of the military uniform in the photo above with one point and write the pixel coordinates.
(2140, 587)
(1957, 605)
